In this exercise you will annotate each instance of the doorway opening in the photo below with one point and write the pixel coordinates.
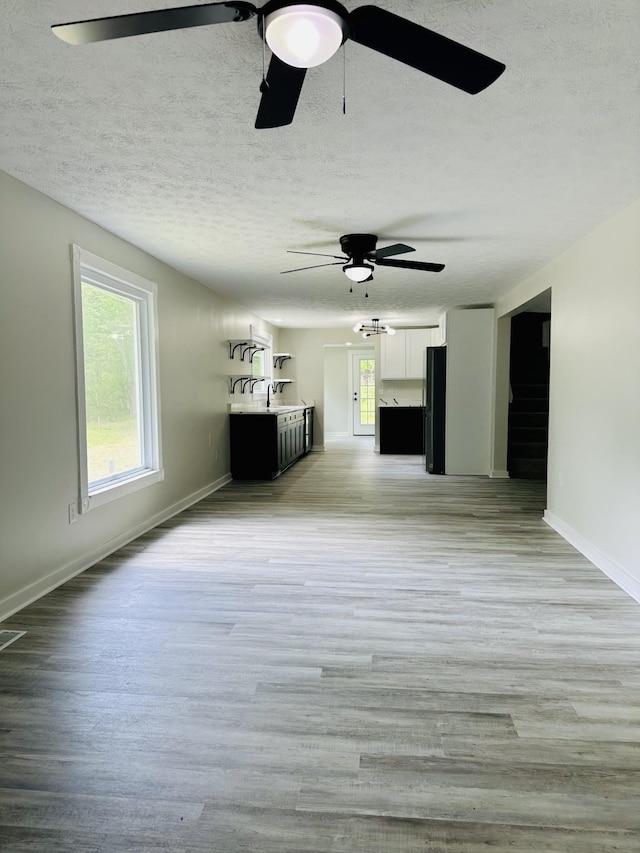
(528, 435)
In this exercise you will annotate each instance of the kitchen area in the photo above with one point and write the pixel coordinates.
(315, 384)
(401, 373)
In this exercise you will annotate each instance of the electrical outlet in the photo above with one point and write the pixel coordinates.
(210, 439)
(73, 512)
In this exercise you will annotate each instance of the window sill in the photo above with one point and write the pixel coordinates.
(113, 491)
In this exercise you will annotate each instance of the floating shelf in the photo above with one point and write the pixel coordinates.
(246, 346)
(244, 381)
(280, 357)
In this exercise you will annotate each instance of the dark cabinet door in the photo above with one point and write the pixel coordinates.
(308, 430)
(264, 445)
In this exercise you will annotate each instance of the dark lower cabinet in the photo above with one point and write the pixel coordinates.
(401, 429)
(265, 445)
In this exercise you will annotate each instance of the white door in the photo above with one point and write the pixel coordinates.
(363, 390)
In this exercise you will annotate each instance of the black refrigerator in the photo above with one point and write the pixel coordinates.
(434, 410)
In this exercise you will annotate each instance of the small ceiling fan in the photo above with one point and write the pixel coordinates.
(301, 36)
(360, 253)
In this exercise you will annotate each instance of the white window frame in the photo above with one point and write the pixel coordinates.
(265, 340)
(102, 273)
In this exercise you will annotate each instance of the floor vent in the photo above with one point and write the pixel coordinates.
(7, 637)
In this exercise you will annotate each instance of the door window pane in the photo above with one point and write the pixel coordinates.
(367, 392)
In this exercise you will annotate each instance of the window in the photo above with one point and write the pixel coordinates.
(118, 407)
(262, 364)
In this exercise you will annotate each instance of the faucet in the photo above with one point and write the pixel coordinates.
(268, 394)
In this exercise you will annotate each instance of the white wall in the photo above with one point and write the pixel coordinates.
(470, 381)
(336, 390)
(38, 435)
(594, 419)
(308, 346)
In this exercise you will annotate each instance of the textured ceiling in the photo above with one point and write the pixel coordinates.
(152, 138)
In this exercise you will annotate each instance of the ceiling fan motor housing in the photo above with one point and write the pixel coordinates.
(358, 246)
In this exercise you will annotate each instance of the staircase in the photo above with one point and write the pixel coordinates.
(529, 407)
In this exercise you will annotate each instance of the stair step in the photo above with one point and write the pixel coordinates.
(528, 419)
(528, 450)
(526, 433)
(529, 404)
(528, 469)
(530, 389)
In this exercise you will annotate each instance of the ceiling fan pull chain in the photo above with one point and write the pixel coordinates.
(264, 86)
(344, 79)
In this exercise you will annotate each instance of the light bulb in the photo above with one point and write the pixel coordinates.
(304, 36)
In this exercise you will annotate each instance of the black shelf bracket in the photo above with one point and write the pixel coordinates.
(278, 360)
(244, 381)
(250, 348)
(234, 346)
(244, 347)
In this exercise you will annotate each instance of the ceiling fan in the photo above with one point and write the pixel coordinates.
(302, 35)
(361, 253)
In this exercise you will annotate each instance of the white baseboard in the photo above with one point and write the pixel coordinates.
(317, 448)
(612, 570)
(499, 475)
(337, 435)
(35, 590)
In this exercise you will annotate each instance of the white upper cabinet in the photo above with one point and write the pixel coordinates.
(402, 356)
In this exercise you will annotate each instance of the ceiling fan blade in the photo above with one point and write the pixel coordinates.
(396, 249)
(319, 254)
(278, 104)
(410, 265)
(315, 267)
(140, 23)
(423, 49)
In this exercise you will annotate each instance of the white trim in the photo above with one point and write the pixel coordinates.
(267, 339)
(612, 570)
(112, 278)
(337, 435)
(31, 593)
(499, 475)
(112, 491)
(360, 351)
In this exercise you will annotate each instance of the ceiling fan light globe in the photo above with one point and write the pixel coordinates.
(357, 272)
(304, 36)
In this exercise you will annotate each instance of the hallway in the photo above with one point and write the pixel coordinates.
(353, 658)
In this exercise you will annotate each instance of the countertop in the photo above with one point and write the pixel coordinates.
(272, 410)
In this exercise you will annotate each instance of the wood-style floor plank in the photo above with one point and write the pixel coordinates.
(353, 658)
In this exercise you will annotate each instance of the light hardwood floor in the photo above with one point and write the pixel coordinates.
(354, 658)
